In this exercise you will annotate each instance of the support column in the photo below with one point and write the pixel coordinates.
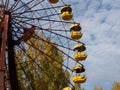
(2, 52)
(11, 59)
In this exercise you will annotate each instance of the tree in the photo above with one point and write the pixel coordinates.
(40, 66)
(97, 88)
(116, 86)
(78, 87)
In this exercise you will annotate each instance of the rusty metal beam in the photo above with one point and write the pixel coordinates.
(2, 53)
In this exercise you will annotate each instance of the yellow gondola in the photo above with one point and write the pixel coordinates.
(79, 79)
(75, 27)
(66, 12)
(66, 8)
(66, 15)
(67, 88)
(76, 35)
(80, 47)
(78, 68)
(80, 56)
(53, 1)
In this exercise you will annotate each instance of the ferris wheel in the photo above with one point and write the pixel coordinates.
(30, 30)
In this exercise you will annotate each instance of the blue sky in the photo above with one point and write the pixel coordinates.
(100, 21)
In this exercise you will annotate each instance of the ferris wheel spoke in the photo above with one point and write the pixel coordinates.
(33, 5)
(2, 1)
(21, 24)
(1, 4)
(39, 38)
(57, 21)
(6, 4)
(35, 10)
(37, 18)
(15, 34)
(18, 24)
(34, 20)
(14, 5)
(18, 29)
(24, 5)
(25, 73)
(49, 29)
(18, 33)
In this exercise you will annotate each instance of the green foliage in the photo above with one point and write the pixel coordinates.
(40, 66)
